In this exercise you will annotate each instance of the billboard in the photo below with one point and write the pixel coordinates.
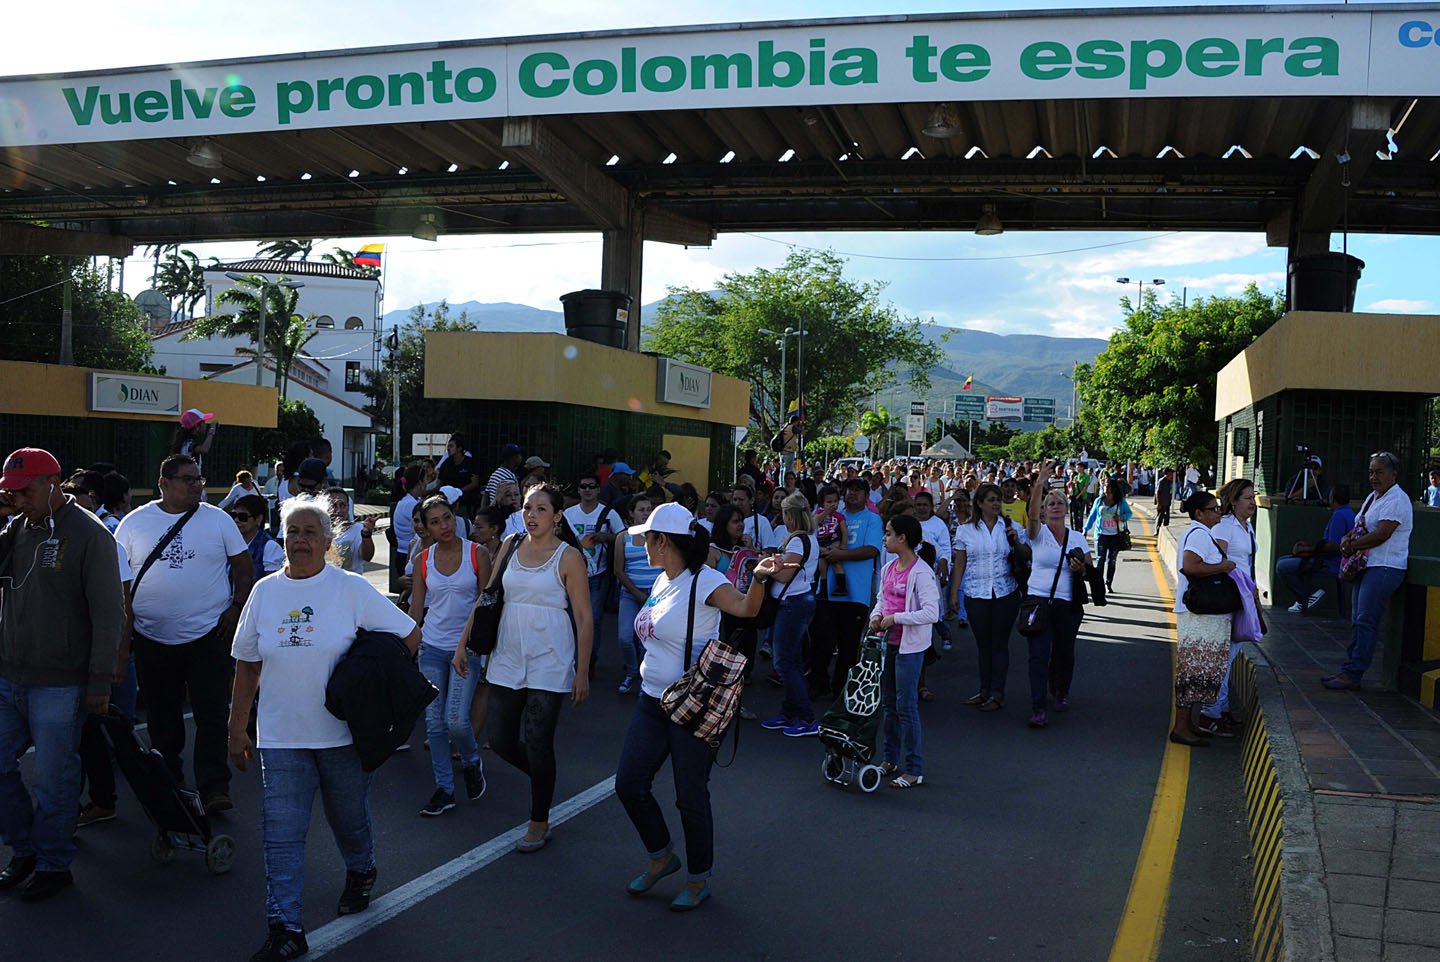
(1004, 408)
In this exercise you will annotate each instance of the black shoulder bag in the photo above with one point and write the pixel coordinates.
(160, 547)
(1019, 563)
(485, 621)
(1034, 617)
(770, 607)
(1211, 594)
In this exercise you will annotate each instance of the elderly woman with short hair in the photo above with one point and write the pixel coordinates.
(296, 626)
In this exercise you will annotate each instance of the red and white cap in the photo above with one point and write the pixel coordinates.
(193, 417)
(25, 465)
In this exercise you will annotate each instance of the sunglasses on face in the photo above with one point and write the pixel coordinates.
(588, 487)
(241, 515)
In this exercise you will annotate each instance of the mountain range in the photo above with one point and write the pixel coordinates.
(1026, 365)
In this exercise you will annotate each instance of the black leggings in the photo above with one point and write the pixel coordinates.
(522, 731)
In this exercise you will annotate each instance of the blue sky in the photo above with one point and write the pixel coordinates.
(1051, 283)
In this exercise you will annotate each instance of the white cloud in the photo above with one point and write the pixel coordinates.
(1173, 250)
(1399, 305)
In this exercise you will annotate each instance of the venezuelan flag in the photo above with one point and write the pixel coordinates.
(370, 255)
(968, 381)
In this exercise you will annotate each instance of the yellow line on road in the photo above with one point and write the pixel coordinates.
(1143, 921)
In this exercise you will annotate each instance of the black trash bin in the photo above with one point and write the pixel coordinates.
(1324, 282)
(598, 316)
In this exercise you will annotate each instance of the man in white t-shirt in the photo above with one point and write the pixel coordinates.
(759, 530)
(596, 525)
(185, 605)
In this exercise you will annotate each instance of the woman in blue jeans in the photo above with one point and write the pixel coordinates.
(909, 603)
(1382, 535)
(448, 578)
(795, 587)
(296, 626)
(685, 603)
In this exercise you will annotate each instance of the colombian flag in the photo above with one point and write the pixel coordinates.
(968, 381)
(369, 256)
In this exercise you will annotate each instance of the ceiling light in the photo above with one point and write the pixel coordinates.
(989, 223)
(913, 152)
(452, 168)
(809, 117)
(729, 156)
(426, 229)
(789, 155)
(205, 154)
(944, 121)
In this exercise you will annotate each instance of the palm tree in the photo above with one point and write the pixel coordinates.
(286, 332)
(877, 424)
(287, 249)
(180, 277)
(346, 258)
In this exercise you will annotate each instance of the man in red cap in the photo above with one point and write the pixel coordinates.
(61, 617)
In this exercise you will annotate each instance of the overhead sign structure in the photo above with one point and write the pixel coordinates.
(1185, 53)
(1039, 410)
(1004, 408)
(914, 427)
(679, 383)
(133, 394)
(969, 407)
(428, 445)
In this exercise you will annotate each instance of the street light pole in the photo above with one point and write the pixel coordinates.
(784, 342)
(1140, 284)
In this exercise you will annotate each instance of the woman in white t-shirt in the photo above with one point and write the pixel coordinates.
(677, 544)
(795, 586)
(1382, 534)
(244, 484)
(296, 626)
(448, 577)
(1203, 641)
(1053, 567)
(1236, 535)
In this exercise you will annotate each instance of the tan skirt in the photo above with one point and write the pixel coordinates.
(1204, 651)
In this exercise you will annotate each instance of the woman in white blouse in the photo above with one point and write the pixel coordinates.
(1058, 553)
(1203, 641)
(982, 550)
(1235, 533)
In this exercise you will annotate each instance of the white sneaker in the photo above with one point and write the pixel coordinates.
(1296, 609)
(1315, 598)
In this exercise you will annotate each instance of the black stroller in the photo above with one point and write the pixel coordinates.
(179, 818)
(850, 727)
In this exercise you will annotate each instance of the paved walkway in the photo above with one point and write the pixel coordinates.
(1369, 777)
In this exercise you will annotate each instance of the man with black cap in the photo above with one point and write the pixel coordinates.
(61, 618)
(193, 574)
(510, 460)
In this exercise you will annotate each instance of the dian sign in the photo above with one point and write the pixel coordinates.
(132, 394)
(681, 383)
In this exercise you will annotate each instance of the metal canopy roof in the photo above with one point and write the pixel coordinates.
(1140, 163)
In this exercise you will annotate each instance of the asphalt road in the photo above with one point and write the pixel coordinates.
(1020, 846)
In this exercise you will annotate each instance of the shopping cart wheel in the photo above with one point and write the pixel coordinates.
(162, 849)
(220, 854)
(833, 768)
(869, 778)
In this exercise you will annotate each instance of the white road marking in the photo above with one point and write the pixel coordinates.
(347, 928)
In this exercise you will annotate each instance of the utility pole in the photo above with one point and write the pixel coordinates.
(395, 392)
(67, 328)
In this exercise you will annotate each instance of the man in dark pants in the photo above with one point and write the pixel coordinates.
(1164, 494)
(184, 606)
(61, 617)
(840, 616)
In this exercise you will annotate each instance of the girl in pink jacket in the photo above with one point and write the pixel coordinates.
(907, 605)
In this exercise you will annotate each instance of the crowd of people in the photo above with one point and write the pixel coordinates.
(243, 618)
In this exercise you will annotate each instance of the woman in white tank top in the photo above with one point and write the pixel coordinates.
(448, 578)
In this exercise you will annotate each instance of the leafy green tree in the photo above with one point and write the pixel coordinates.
(346, 258)
(108, 330)
(294, 421)
(881, 427)
(851, 338)
(415, 407)
(287, 249)
(1150, 395)
(829, 448)
(286, 331)
(181, 277)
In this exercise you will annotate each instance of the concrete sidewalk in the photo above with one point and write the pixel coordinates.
(1359, 776)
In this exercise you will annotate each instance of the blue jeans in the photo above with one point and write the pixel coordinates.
(786, 641)
(447, 718)
(651, 738)
(290, 777)
(50, 719)
(900, 695)
(631, 649)
(1052, 654)
(1107, 553)
(599, 588)
(1372, 595)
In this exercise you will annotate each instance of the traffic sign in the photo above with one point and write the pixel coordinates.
(969, 407)
(914, 427)
(862, 444)
(740, 433)
(1040, 409)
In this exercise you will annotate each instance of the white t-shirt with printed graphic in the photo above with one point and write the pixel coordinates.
(660, 627)
(187, 589)
(603, 518)
(299, 629)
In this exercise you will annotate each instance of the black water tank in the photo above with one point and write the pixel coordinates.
(1324, 282)
(598, 316)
